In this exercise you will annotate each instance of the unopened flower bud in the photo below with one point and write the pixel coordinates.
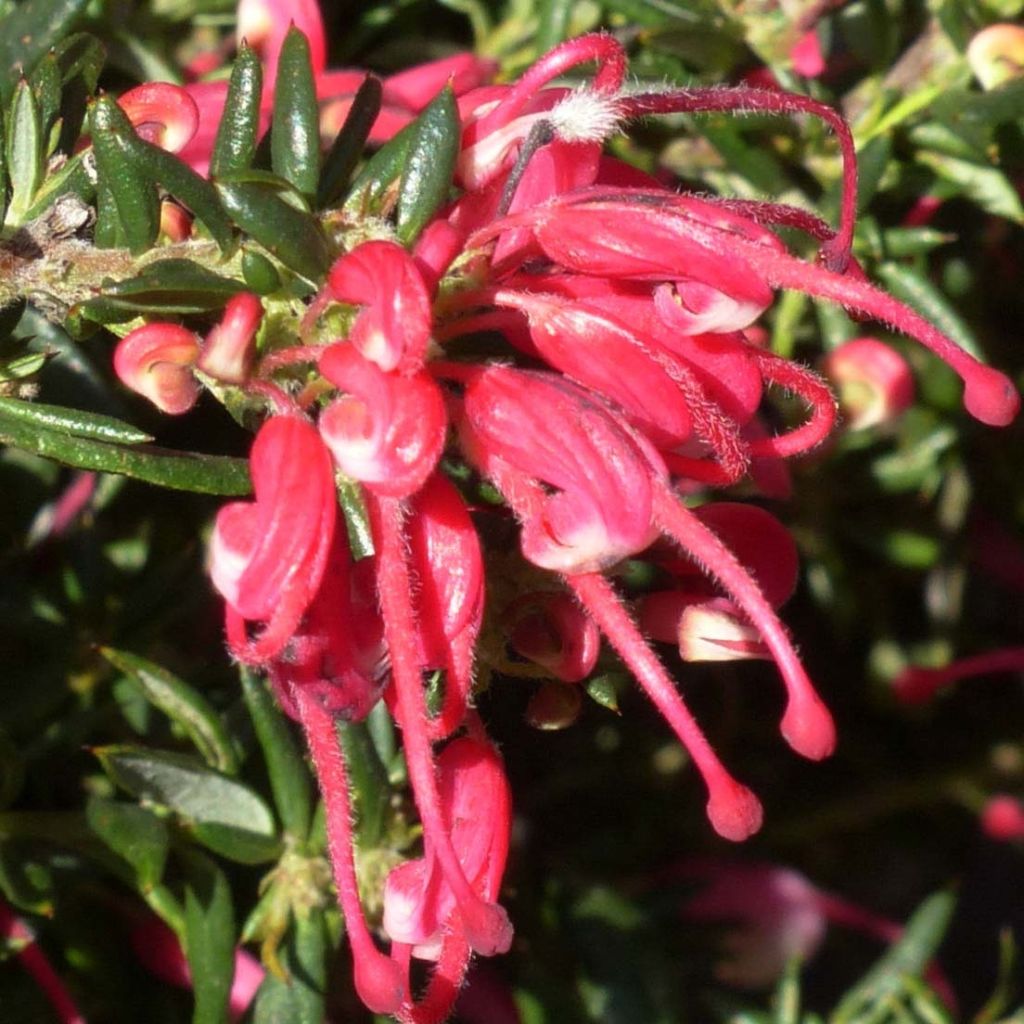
(557, 634)
(1002, 819)
(162, 113)
(996, 54)
(229, 349)
(155, 361)
(554, 706)
(875, 383)
(175, 223)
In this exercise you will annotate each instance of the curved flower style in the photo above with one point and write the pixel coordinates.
(631, 373)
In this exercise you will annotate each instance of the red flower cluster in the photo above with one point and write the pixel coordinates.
(632, 375)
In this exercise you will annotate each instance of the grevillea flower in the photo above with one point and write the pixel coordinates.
(229, 349)
(267, 557)
(631, 374)
(874, 381)
(156, 361)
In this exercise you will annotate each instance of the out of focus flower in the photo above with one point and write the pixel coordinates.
(874, 381)
(996, 54)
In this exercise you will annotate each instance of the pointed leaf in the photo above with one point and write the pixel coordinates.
(369, 192)
(133, 833)
(46, 82)
(300, 998)
(294, 237)
(295, 128)
(171, 286)
(30, 31)
(347, 148)
(71, 421)
(71, 179)
(181, 471)
(429, 165)
(182, 704)
(369, 780)
(209, 937)
(289, 777)
(239, 124)
(25, 158)
(221, 812)
(134, 194)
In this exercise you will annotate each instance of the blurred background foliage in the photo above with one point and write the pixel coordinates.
(136, 775)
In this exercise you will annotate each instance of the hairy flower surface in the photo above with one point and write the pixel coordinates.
(583, 339)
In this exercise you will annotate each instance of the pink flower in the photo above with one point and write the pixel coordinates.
(229, 350)
(553, 631)
(156, 361)
(875, 382)
(267, 557)
(1002, 818)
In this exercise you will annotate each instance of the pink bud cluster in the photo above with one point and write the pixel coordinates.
(633, 373)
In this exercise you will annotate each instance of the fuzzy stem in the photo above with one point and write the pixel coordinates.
(378, 979)
(734, 812)
(435, 1006)
(806, 725)
(835, 253)
(486, 925)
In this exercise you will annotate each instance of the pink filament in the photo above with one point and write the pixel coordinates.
(917, 685)
(733, 810)
(806, 725)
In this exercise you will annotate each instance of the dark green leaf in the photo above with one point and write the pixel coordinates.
(181, 471)
(259, 273)
(188, 187)
(294, 237)
(80, 56)
(182, 704)
(108, 233)
(429, 166)
(239, 124)
(133, 192)
(379, 175)
(71, 421)
(604, 690)
(221, 812)
(368, 778)
(209, 937)
(29, 32)
(25, 158)
(347, 148)
(133, 833)
(300, 999)
(172, 286)
(295, 130)
(289, 777)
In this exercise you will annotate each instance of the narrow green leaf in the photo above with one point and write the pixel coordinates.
(46, 81)
(295, 131)
(81, 58)
(221, 812)
(380, 173)
(357, 518)
(209, 937)
(188, 187)
(30, 31)
(133, 833)
(134, 194)
(108, 233)
(294, 237)
(300, 998)
(182, 704)
(347, 148)
(369, 780)
(987, 187)
(71, 421)
(920, 294)
(909, 955)
(71, 179)
(176, 285)
(429, 166)
(289, 777)
(239, 124)
(3, 168)
(25, 158)
(554, 23)
(180, 471)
